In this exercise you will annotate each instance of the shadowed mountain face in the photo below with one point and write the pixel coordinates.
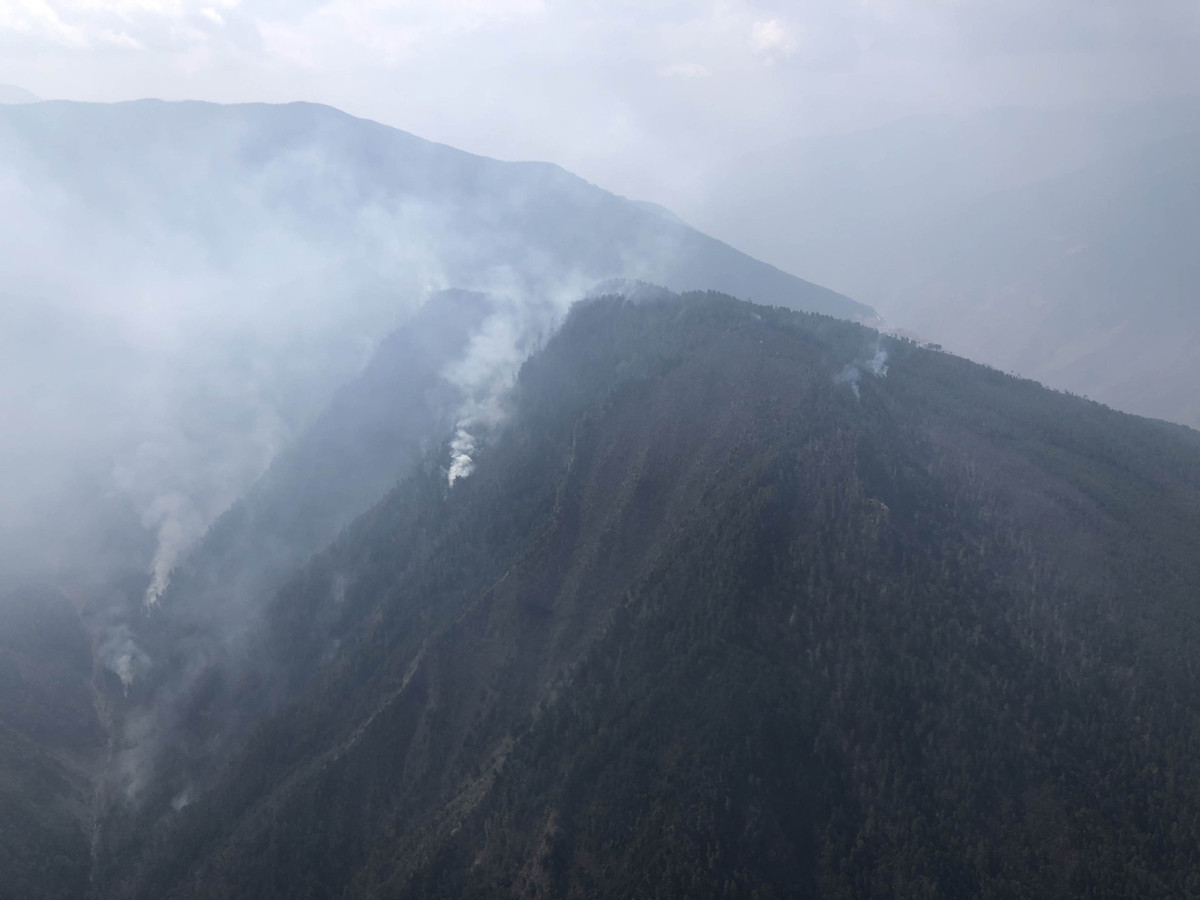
(1056, 244)
(367, 439)
(737, 600)
(184, 658)
(76, 740)
(52, 747)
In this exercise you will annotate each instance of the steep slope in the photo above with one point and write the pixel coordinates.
(732, 608)
(52, 747)
(353, 453)
(187, 653)
(346, 460)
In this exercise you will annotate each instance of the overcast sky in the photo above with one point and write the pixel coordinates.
(642, 98)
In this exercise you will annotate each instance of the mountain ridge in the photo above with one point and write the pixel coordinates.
(495, 684)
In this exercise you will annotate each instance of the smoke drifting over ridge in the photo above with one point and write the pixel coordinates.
(188, 285)
(192, 351)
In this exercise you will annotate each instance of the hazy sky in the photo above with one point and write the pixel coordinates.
(639, 97)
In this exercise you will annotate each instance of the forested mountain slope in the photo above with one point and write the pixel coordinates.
(739, 602)
(135, 689)
(373, 431)
(52, 747)
(193, 646)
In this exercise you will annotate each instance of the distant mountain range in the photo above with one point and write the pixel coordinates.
(1056, 244)
(12, 94)
(208, 178)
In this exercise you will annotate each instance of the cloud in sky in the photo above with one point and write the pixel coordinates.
(771, 37)
(638, 97)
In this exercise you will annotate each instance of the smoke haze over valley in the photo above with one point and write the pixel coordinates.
(217, 272)
(567, 449)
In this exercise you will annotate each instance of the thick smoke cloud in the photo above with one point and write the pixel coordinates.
(461, 448)
(164, 331)
(188, 285)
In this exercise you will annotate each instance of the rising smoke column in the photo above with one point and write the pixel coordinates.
(878, 364)
(120, 655)
(485, 373)
(461, 448)
(177, 524)
(851, 373)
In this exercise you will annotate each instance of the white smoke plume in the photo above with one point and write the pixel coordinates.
(487, 370)
(182, 800)
(852, 373)
(177, 523)
(121, 655)
(461, 464)
(878, 364)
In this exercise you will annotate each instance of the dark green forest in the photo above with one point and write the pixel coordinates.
(52, 747)
(721, 613)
